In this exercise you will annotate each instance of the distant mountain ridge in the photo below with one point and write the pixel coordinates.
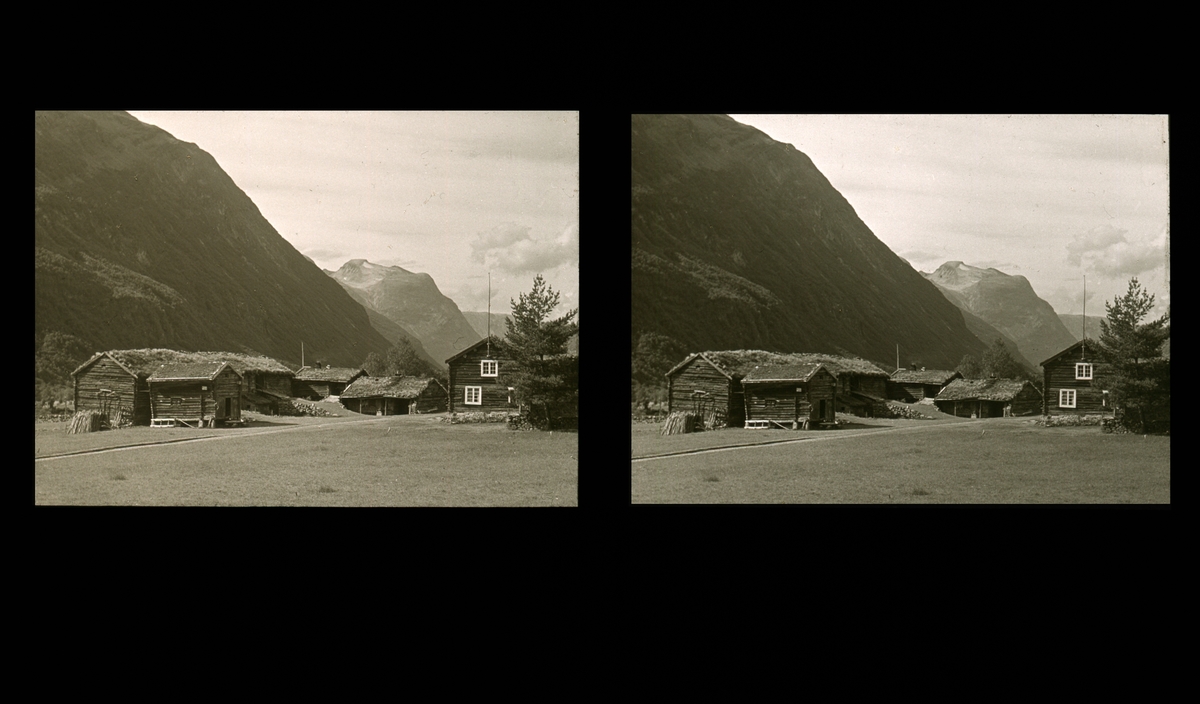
(479, 322)
(412, 301)
(142, 241)
(1008, 303)
(739, 242)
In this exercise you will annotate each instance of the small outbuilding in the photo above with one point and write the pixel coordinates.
(788, 395)
(989, 398)
(394, 395)
(912, 385)
(315, 383)
(195, 392)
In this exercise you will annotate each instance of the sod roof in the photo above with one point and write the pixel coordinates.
(188, 371)
(739, 363)
(389, 387)
(781, 372)
(145, 361)
(982, 389)
(924, 376)
(342, 374)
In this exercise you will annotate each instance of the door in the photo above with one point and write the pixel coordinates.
(822, 407)
(228, 407)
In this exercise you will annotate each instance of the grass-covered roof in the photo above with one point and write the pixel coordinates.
(982, 389)
(742, 362)
(145, 361)
(341, 374)
(388, 387)
(923, 376)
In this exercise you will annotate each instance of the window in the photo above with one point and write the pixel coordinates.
(1083, 371)
(474, 396)
(488, 367)
(176, 401)
(1066, 398)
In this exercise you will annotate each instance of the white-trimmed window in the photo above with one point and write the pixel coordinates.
(474, 396)
(489, 367)
(1066, 398)
(1083, 371)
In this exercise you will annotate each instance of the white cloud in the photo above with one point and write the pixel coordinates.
(1107, 251)
(509, 247)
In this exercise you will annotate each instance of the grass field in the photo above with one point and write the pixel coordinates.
(1002, 460)
(392, 461)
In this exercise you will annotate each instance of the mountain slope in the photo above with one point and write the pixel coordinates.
(1009, 304)
(391, 330)
(412, 301)
(739, 242)
(141, 240)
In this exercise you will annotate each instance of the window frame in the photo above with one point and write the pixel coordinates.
(1082, 368)
(1064, 394)
(495, 367)
(478, 396)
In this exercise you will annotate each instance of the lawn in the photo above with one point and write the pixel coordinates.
(1007, 460)
(392, 461)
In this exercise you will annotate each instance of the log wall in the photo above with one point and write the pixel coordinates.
(1089, 398)
(104, 373)
(466, 371)
(721, 393)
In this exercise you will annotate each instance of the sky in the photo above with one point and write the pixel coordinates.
(451, 194)
(1053, 198)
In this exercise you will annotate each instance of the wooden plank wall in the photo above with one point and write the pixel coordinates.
(228, 384)
(432, 400)
(775, 402)
(823, 385)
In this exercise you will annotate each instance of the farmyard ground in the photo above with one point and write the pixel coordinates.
(349, 461)
(1000, 460)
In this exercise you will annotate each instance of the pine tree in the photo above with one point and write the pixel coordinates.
(970, 368)
(543, 378)
(1138, 377)
(999, 362)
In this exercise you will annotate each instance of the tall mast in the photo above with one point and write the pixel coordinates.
(1083, 350)
(489, 318)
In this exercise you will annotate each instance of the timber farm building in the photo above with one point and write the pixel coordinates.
(911, 385)
(479, 379)
(1071, 380)
(394, 395)
(789, 395)
(989, 398)
(195, 392)
(714, 379)
(118, 378)
(316, 382)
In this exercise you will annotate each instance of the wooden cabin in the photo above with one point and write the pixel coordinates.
(1071, 380)
(315, 383)
(106, 383)
(479, 379)
(788, 396)
(912, 384)
(714, 379)
(195, 392)
(266, 383)
(989, 398)
(394, 395)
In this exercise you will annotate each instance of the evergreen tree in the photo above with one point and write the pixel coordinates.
(970, 368)
(999, 362)
(1138, 377)
(543, 378)
(400, 360)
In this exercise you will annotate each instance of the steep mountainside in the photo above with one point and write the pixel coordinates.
(739, 242)
(1009, 304)
(391, 330)
(141, 240)
(412, 301)
(1074, 324)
